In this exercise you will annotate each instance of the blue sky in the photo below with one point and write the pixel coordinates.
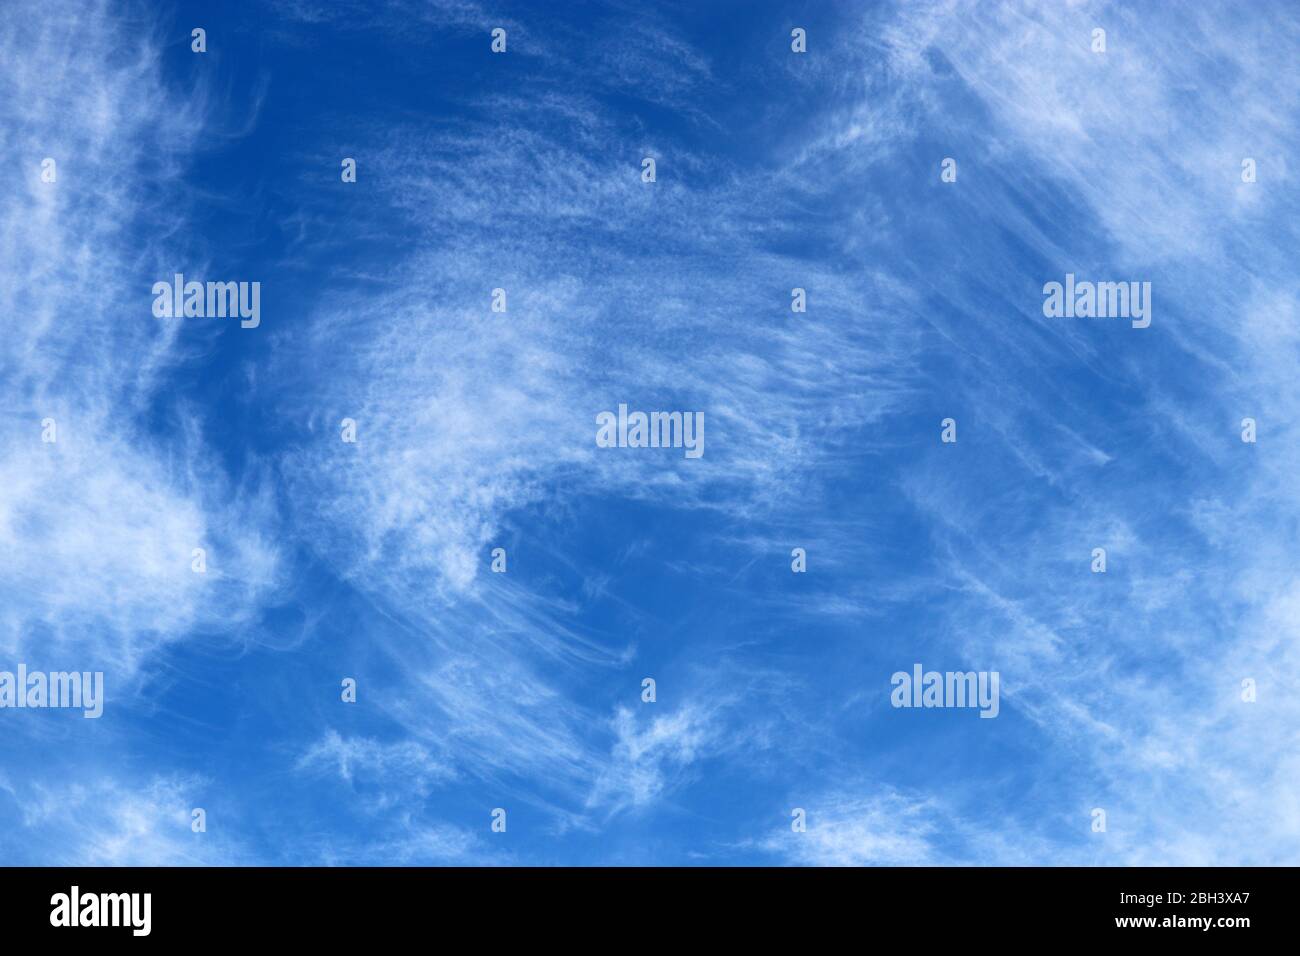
(1120, 691)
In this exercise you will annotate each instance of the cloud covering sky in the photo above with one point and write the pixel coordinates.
(476, 430)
